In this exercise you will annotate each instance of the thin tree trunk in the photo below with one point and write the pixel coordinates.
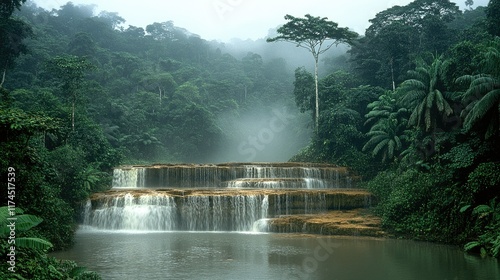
(3, 76)
(317, 90)
(159, 89)
(73, 113)
(392, 73)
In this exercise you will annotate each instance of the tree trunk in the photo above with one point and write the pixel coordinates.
(392, 73)
(3, 77)
(317, 90)
(159, 89)
(73, 113)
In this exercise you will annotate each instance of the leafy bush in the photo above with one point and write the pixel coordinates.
(31, 260)
(483, 184)
(419, 204)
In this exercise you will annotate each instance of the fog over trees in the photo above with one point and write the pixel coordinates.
(411, 106)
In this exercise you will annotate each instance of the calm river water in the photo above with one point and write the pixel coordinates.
(223, 255)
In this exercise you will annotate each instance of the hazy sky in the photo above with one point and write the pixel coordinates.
(226, 19)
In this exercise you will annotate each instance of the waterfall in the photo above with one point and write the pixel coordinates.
(135, 213)
(191, 213)
(257, 176)
(87, 210)
(278, 183)
(129, 177)
(223, 197)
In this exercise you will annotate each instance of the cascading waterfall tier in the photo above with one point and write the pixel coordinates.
(221, 197)
(234, 175)
(210, 210)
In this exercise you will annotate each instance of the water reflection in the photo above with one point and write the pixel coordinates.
(222, 255)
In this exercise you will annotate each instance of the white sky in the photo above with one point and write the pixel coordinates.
(245, 19)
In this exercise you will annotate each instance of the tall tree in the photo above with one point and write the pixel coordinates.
(70, 70)
(317, 35)
(12, 34)
(469, 3)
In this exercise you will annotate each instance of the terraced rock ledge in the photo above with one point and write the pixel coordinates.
(321, 211)
(296, 201)
(356, 222)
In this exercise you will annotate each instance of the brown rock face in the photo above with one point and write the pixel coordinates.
(356, 222)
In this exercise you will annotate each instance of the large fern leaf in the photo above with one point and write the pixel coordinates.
(23, 222)
(33, 243)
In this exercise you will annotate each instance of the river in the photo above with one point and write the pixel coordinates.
(239, 255)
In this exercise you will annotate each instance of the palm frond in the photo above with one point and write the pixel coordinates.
(479, 87)
(440, 102)
(482, 107)
(428, 119)
(429, 100)
(373, 142)
(466, 79)
(414, 84)
(416, 115)
(376, 132)
(398, 142)
(380, 146)
(391, 145)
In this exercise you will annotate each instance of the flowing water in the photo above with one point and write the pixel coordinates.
(234, 175)
(209, 222)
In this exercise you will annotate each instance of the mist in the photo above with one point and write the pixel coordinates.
(224, 20)
(270, 134)
(293, 56)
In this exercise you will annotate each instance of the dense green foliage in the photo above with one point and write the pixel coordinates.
(413, 108)
(417, 116)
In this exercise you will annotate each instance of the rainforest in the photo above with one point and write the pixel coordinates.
(409, 109)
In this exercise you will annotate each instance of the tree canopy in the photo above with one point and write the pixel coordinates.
(317, 35)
